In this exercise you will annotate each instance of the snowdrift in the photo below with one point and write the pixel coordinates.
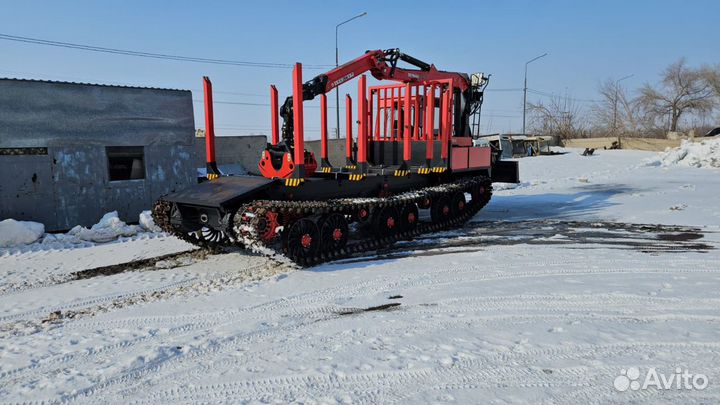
(15, 233)
(110, 227)
(703, 154)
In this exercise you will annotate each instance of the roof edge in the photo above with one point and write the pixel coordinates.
(88, 84)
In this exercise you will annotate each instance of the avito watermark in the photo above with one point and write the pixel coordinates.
(681, 379)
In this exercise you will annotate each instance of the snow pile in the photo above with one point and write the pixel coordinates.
(17, 233)
(109, 228)
(704, 154)
(20, 236)
(148, 223)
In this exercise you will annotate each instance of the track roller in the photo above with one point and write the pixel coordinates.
(409, 217)
(386, 221)
(333, 232)
(302, 240)
(440, 209)
(458, 204)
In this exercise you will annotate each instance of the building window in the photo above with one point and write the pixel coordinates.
(125, 162)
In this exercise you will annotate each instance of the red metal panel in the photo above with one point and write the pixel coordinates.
(429, 121)
(323, 127)
(298, 116)
(348, 126)
(461, 141)
(362, 117)
(459, 158)
(274, 114)
(209, 122)
(406, 124)
(479, 157)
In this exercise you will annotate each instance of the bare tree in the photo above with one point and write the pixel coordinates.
(681, 90)
(559, 116)
(711, 74)
(609, 122)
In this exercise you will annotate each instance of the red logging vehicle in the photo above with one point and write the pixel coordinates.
(413, 152)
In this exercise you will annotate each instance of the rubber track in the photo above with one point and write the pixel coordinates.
(248, 238)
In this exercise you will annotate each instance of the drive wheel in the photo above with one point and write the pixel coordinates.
(409, 217)
(334, 232)
(458, 204)
(266, 226)
(441, 209)
(303, 239)
(386, 222)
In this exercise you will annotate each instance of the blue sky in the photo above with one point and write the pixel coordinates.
(587, 41)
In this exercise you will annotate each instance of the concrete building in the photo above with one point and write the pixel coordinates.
(233, 153)
(69, 152)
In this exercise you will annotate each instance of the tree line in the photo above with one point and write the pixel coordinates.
(684, 99)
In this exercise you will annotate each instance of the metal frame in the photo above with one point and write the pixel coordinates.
(404, 108)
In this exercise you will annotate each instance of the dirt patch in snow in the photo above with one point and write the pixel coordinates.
(477, 236)
(172, 260)
(383, 307)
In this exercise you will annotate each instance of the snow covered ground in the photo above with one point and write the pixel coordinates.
(608, 265)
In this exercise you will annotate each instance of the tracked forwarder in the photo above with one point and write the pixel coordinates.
(414, 152)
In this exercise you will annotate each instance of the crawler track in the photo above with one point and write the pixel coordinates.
(270, 227)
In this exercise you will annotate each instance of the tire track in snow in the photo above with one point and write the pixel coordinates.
(203, 371)
(295, 303)
(382, 284)
(92, 306)
(463, 374)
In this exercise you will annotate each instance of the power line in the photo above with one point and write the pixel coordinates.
(196, 100)
(551, 95)
(38, 41)
(234, 103)
(235, 93)
(509, 89)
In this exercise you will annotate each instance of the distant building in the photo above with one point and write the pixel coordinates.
(516, 145)
(69, 152)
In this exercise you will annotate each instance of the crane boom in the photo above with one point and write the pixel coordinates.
(382, 65)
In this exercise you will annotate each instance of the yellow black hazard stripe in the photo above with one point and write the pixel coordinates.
(293, 182)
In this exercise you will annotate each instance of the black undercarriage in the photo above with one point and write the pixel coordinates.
(325, 217)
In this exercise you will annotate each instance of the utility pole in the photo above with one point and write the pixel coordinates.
(615, 105)
(337, 89)
(525, 87)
